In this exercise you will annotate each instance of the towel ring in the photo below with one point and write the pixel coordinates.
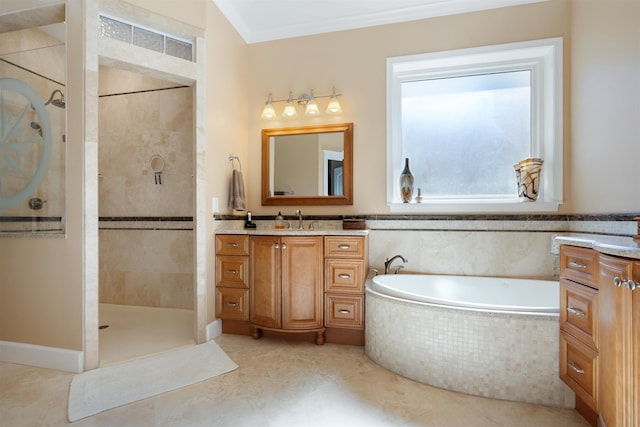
(156, 163)
(232, 158)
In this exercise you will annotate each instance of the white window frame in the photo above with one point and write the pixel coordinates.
(544, 59)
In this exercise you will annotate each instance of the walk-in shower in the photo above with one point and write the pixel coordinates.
(146, 237)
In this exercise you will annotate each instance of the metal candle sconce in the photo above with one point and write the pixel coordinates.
(157, 166)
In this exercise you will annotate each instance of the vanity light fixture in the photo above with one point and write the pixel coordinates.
(304, 100)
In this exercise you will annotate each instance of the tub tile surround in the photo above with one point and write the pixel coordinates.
(495, 355)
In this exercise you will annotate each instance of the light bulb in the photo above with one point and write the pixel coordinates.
(268, 112)
(334, 106)
(312, 109)
(290, 109)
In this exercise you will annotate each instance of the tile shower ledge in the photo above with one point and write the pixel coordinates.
(611, 245)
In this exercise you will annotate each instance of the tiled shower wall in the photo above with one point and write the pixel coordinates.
(146, 229)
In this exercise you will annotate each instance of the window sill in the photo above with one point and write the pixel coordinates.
(475, 206)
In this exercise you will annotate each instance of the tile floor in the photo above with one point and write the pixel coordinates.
(278, 383)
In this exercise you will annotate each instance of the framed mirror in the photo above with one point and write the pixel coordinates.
(308, 165)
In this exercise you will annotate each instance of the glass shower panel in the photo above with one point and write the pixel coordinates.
(32, 130)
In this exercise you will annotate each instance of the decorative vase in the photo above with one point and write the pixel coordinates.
(406, 183)
(528, 177)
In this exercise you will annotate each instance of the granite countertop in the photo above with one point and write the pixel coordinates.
(611, 245)
(293, 232)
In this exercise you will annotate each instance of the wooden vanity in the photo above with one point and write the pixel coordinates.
(600, 329)
(311, 285)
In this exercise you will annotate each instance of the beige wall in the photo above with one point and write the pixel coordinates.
(227, 64)
(601, 83)
(604, 152)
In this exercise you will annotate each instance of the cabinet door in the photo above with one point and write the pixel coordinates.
(264, 275)
(615, 343)
(302, 282)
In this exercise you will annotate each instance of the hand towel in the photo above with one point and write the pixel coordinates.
(236, 192)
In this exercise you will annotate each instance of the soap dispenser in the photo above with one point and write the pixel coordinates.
(248, 223)
(280, 224)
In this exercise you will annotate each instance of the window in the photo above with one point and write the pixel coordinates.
(465, 117)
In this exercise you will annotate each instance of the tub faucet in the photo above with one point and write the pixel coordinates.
(300, 223)
(389, 261)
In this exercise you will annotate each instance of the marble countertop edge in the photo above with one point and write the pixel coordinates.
(610, 245)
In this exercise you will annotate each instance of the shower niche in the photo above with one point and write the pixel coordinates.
(33, 121)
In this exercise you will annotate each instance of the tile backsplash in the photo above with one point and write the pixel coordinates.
(481, 245)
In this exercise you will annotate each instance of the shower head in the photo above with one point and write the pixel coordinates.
(58, 102)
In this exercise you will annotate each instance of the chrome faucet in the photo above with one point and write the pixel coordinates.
(300, 223)
(389, 261)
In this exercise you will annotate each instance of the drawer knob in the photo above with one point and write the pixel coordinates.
(232, 271)
(575, 368)
(630, 284)
(577, 265)
(617, 282)
(344, 276)
(232, 304)
(232, 245)
(344, 246)
(575, 311)
(343, 311)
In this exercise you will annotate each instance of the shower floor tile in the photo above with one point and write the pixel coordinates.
(135, 331)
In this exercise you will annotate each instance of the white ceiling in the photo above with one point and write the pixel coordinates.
(264, 20)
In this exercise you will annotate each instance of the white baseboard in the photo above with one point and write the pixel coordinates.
(214, 330)
(44, 357)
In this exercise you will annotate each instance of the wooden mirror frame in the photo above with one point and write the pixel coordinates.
(347, 190)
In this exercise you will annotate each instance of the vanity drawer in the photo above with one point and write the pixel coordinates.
(232, 244)
(580, 265)
(232, 271)
(344, 311)
(579, 312)
(232, 303)
(344, 247)
(578, 368)
(344, 275)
